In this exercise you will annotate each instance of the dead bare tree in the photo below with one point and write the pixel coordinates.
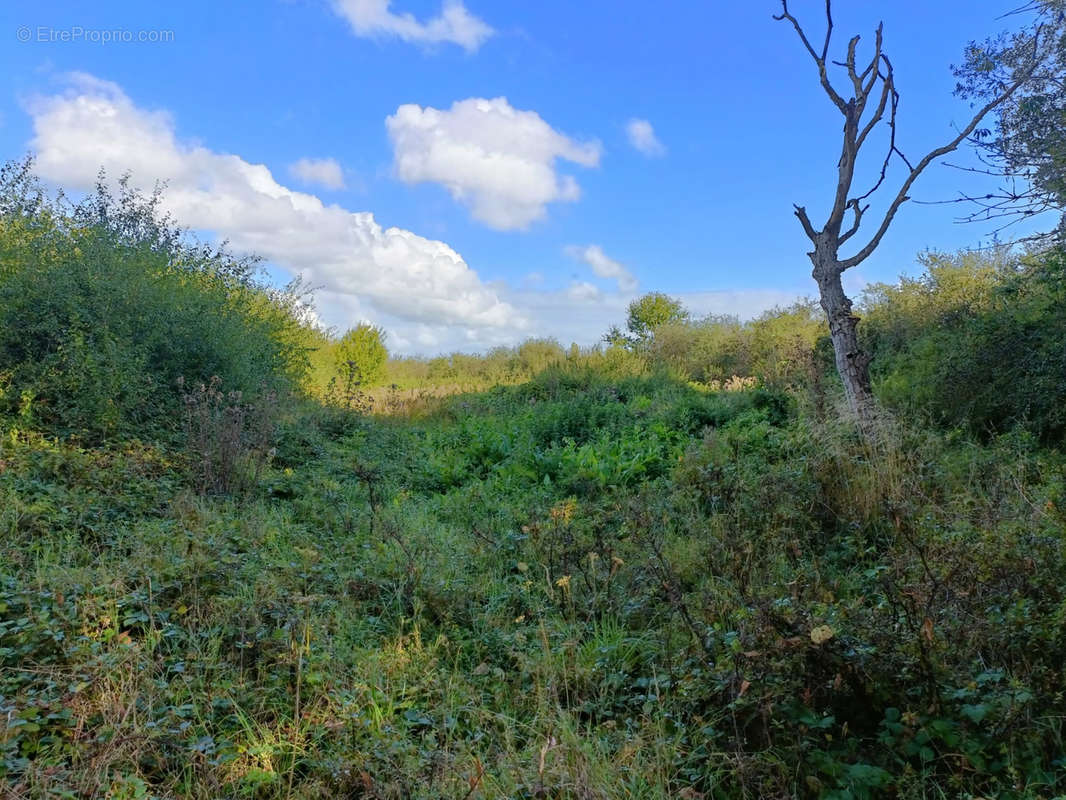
(873, 101)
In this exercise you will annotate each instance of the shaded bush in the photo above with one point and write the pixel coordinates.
(230, 440)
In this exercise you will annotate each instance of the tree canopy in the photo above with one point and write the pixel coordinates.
(361, 351)
(645, 314)
(1026, 146)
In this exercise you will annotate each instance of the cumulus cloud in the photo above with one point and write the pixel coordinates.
(593, 256)
(495, 159)
(93, 123)
(642, 136)
(420, 290)
(318, 171)
(374, 18)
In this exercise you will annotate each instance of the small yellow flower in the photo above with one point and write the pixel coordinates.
(564, 511)
(563, 582)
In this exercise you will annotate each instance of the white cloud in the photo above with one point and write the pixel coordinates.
(642, 136)
(742, 303)
(374, 18)
(495, 159)
(583, 291)
(593, 256)
(393, 271)
(422, 291)
(321, 171)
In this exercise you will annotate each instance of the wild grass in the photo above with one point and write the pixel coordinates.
(651, 570)
(574, 588)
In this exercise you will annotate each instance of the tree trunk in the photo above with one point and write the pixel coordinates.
(877, 82)
(852, 362)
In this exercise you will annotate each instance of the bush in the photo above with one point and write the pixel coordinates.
(978, 342)
(360, 355)
(785, 348)
(108, 303)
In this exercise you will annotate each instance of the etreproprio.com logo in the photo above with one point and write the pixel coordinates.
(77, 33)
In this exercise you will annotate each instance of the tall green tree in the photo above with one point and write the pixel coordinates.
(361, 354)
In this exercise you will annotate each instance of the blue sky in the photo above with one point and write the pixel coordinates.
(492, 220)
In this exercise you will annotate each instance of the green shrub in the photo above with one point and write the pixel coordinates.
(94, 333)
(978, 342)
(360, 354)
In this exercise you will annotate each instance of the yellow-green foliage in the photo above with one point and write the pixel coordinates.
(978, 341)
(499, 366)
(650, 312)
(504, 366)
(894, 315)
(361, 353)
(780, 348)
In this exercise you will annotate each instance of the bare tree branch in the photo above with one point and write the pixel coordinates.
(805, 221)
(871, 70)
(902, 196)
(854, 205)
(819, 60)
(856, 81)
(887, 90)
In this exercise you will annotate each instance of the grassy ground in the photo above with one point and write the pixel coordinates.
(573, 588)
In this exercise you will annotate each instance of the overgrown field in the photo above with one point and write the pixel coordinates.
(580, 587)
(654, 569)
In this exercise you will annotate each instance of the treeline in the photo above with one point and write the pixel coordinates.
(105, 303)
(506, 365)
(778, 349)
(977, 341)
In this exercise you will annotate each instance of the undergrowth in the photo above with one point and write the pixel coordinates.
(572, 588)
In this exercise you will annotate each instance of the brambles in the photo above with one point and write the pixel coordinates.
(619, 578)
(621, 583)
(230, 441)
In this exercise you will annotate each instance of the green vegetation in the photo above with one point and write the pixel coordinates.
(104, 305)
(654, 572)
(1028, 139)
(361, 352)
(644, 316)
(978, 342)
